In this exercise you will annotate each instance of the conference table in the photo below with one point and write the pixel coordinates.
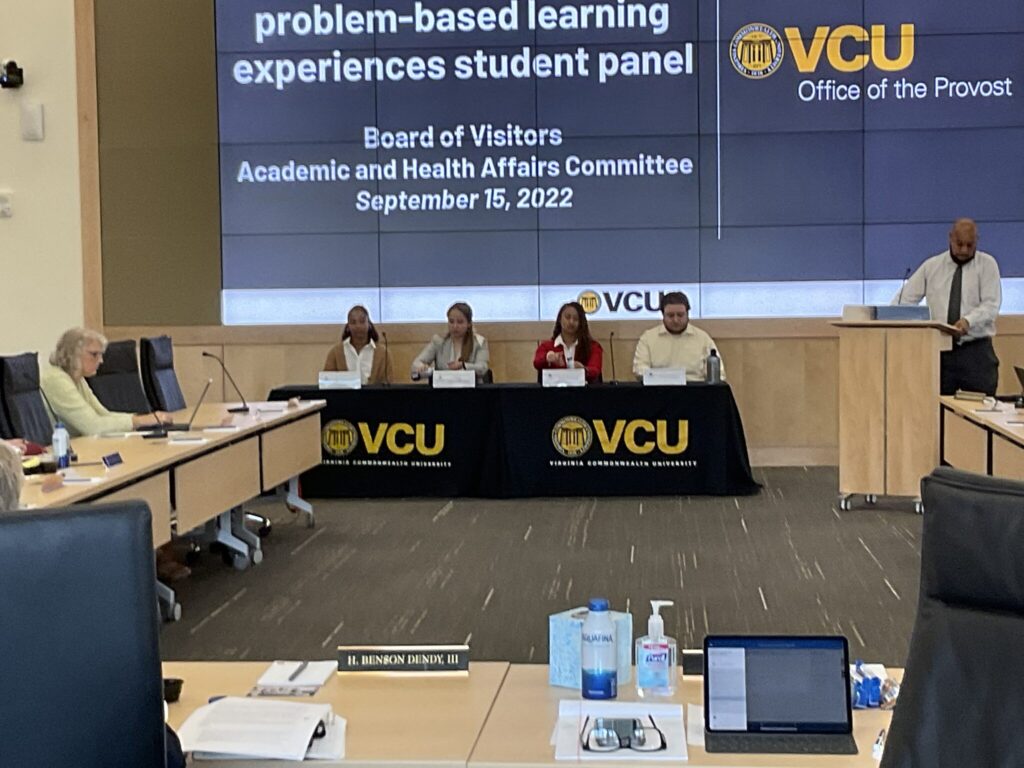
(197, 478)
(496, 716)
(982, 438)
(523, 440)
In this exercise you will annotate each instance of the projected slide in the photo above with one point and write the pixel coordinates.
(517, 154)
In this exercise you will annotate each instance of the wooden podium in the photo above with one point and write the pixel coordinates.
(888, 412)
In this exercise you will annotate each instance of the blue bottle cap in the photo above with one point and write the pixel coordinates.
(598, 604)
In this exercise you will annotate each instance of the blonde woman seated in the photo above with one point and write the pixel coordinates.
(459, 349)
(77, 357)
(358, 351)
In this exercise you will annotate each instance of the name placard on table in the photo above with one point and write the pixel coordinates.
(665, 377)
(443, 379)
(403, 658)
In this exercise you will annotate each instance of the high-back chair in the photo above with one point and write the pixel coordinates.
(117, 384)
(82, 683)
(960, 702)
(23, 403)
(158, 378)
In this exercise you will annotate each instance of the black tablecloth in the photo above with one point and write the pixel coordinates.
(522, 440)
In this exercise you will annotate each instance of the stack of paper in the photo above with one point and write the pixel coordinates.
(237, 728)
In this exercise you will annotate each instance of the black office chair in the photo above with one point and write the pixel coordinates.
(26, 412)
(117, 384)
(6, 433)
(960, 702)
(158, 378)
(82, 683)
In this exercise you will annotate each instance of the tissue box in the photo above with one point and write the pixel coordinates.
(565, 631)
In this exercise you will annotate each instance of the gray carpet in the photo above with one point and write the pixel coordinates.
(441, 571)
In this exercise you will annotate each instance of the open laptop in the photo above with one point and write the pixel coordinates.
(777, 693)
(154, 430)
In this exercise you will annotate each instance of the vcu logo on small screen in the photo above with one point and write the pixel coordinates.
(756, 51)
(590, 301)
(339, 437)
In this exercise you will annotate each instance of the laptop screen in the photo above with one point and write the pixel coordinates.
(776, 684)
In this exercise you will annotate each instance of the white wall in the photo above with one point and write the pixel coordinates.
(40, 247)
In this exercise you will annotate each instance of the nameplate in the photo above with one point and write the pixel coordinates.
(443, 379)
(563, 377)
(403, 658)
(112, 460)
(665, 377)
(340, 380)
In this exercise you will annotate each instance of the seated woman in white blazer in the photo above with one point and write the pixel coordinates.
(460, 348)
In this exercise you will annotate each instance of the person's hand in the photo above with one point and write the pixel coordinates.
(147, 420)
(17, 444)
(961, 326)
(419, 367)
(577, 364)
(455, 365)
(556, 359)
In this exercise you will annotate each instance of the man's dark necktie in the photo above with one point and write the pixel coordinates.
(953, 313)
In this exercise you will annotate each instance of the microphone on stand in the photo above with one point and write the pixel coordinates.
(244, 407)
(387, 375)
(611, 350)
(906, 276)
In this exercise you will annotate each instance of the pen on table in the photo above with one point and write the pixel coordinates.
(299, 669)
(879, 742)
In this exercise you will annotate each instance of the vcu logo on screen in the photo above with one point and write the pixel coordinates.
(590, 301)
(756, 51)
(339, 437)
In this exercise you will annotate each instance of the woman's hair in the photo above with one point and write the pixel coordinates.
(10, 478)
(68, 354)
(469, 341)
(582, 335)
(372, 330)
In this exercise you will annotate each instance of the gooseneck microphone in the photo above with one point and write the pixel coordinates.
(906, 276)
(611, 351)
(387, 375)
(244, 407)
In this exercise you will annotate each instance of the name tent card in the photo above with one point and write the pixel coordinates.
(563, 377)
(340, 380)
(403, 658)
(665, 377)
(443, 379)
(112, 460)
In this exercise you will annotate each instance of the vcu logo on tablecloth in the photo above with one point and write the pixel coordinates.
(572, 436)
(756, 51)
(339, 437)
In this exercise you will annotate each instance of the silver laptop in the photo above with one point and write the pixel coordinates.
(777, 693)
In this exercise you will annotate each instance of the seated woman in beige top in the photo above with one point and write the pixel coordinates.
(461, 348)
(358, 350)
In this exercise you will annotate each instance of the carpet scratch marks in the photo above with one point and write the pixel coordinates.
(529, 530)
(533, 649)
(317, 534)
(871, 555)
(334, 633)
(764, 602)
(856, 632)
(218, 611)
(468, 638)
(419, 621)
(487, 600)
(568, 589)
(632, 554)
(292, 607)
(892, 589)
(443, 511)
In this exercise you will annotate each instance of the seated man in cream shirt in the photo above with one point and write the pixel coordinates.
(675, 343)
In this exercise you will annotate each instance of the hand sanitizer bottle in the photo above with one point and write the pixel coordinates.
(656, 657)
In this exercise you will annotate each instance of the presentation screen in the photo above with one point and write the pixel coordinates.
(782, 159)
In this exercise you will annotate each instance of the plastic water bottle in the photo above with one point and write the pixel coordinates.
(61, 446)
(713, 373)
(600, 678)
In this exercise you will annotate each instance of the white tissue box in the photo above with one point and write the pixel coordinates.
(565, 638)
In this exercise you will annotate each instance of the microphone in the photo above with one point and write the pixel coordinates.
(244, 407)
(611, 351)
(906, 276)
(387, 375)
(158, 430)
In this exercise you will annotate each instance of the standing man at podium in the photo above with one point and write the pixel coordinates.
(961, 287)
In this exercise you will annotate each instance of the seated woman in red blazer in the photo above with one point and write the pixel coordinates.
(571, 345)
